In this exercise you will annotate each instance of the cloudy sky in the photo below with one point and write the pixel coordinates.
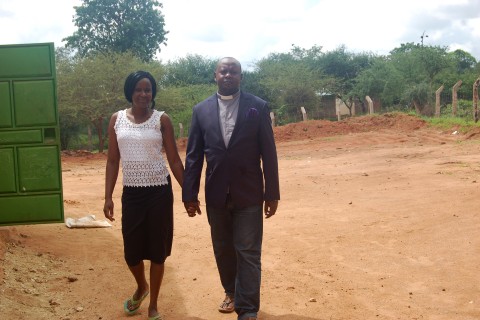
(251, 29)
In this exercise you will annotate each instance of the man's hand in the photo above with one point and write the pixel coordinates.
(270, 208)
(192, 207)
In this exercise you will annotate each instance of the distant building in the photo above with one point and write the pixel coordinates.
(330, 105)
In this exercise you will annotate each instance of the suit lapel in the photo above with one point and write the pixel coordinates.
(242, 111)
(212, 105)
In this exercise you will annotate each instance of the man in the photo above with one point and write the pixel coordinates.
(232, 130)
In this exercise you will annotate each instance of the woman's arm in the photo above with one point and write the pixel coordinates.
(111, 171)
(170, 146)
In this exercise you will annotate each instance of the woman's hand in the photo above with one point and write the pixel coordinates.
(108, 209)
(193, 208)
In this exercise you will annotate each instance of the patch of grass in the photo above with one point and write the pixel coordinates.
(460, 124)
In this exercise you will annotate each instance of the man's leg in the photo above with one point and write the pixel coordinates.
(222, 240)
(247, 235)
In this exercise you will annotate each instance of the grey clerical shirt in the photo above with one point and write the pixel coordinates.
(228, 111)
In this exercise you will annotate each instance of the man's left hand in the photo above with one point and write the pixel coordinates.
(270, 208)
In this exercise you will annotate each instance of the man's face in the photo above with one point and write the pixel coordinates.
(228, 76)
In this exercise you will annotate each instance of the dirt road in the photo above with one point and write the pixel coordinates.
(378, 220)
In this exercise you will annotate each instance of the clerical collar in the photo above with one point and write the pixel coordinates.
(230, 97)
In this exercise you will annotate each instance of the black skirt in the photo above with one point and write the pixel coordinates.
(147, 223)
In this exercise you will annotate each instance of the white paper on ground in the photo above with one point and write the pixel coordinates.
(86, 222)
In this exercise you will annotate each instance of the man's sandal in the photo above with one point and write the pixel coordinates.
(157, 317)
(227, 305)
(131, 306)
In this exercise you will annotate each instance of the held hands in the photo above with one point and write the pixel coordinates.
(270, 208)
(108, 209)
(192, 207)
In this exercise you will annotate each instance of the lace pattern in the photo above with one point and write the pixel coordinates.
(140, 148)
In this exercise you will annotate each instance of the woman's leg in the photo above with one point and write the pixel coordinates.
(133, 239)
(160, 237)
(156, 277)
(138, 272)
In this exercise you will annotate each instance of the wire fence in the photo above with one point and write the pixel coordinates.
(327, 110)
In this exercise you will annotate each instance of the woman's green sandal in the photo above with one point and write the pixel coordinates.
(133, 303)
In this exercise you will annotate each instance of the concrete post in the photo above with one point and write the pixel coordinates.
(475, 99)
(304, 113)
(370, 104)
(454, 97)
(437, 101)
(180, 135)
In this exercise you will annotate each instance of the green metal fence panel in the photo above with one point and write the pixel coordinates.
(27, 61)
(34, 103)
(8, 183)
(30, 165)
(5, 109)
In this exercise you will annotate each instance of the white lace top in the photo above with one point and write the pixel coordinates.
(140, 151)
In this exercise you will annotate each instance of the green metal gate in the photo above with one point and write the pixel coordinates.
(30, 166)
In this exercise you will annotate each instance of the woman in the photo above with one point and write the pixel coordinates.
(136, 136)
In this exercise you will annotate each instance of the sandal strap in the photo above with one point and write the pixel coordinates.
(227, 305)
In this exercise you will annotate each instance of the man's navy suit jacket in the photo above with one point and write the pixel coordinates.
(247, 168)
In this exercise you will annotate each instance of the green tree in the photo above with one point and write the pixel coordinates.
(421, 68)
(253, 82)
(118, 26)
(381, 81)
(462, 60)
(420, 63)
(94, 87)
(178, 101)
(419, 95)
(190, 70)
(343, 67)
(287, 81)
(462, 68)
(71, 119)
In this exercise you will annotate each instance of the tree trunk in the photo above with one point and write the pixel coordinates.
(418, 107)
(90, 143)
(99, 126)
(350, 100)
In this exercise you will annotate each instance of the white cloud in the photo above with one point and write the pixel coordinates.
(30, 21)
(251, 29)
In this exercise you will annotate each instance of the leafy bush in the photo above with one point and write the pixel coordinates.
(464, 110)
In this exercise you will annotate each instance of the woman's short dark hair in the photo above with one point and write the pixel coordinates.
(132, 81)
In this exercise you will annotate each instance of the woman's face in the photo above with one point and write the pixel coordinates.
(142, 94)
